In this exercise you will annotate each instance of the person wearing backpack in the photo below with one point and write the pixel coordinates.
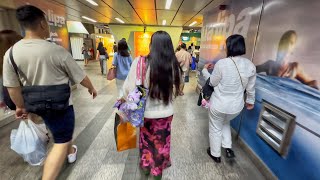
(37, 66)
(163, 81)
(231, 77)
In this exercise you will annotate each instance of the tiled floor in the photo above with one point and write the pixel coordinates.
(98, 158)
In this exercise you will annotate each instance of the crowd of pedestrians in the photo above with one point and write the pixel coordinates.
(34, 63)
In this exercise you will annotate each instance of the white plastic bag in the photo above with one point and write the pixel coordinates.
(30, 141)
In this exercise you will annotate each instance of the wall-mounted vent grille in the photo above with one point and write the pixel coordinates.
(275, 126)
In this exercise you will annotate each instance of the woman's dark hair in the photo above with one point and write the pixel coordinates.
(284, 43)
(184, 46)
(164, 68)
(7, 39)
(235, 45)
(101, 48)
(178, 48)
(29, 16)
(191, 44)
(123, 48)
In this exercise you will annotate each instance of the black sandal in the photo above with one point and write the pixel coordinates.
(230, 153)
(215, 159)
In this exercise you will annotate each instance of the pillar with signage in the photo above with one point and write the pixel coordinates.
(141, 43)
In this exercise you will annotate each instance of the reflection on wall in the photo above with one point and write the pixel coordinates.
(56, 16)
(8, 20)
(237, 19)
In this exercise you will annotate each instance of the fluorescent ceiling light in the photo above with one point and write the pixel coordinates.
(164, 22)
(168, 4)
(92, 2)
(195, 22)
(118, 19)
(89, 19)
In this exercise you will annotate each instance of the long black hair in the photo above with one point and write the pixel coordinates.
(164, 68)
(123, 48)
(102, 50)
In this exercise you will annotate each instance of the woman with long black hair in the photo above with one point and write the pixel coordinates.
(163, 81)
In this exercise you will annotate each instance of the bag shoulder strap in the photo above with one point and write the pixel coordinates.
(13, 63)
(238, 71)
(141, 71)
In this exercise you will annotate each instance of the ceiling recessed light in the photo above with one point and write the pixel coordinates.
(92, 2)
(168, 4)
(195, 22)
(118, 19)
(89, 19)
(164, 22)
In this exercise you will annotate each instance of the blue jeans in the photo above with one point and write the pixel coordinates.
(103, 64)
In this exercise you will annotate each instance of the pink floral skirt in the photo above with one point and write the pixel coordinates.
(155, 145)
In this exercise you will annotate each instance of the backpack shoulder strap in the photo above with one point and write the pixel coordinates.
(15, 67)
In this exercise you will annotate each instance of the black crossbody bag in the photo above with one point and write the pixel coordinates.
(42, 99)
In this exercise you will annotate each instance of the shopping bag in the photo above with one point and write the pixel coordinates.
(30, 142)
(112, 73)
(125, 134)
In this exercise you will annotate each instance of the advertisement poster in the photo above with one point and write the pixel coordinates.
(282, 40)
(290, 50)
(240, 17)
(56, 16)
(141, 43)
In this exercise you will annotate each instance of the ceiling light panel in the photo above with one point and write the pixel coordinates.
(120, 20)
(92, 2)
(168, 4)
(89, 19)
(193, 23)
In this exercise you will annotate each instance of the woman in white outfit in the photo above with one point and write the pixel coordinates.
(230, 78)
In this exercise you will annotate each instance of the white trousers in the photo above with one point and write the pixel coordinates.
(219, 131)
(119, 84)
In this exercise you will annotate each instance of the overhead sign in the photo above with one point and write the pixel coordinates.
(185, 38)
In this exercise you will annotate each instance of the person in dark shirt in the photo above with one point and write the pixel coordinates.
(115, 47)
(102, 55)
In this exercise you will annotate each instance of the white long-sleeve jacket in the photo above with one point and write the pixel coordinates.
(228, 91)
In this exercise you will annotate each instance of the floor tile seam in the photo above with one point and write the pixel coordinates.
(67, 171)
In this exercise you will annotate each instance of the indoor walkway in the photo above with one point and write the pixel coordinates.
(98, 158)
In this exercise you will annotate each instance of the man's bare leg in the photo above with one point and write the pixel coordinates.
(55, 161)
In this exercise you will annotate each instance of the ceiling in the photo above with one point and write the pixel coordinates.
(141, 12)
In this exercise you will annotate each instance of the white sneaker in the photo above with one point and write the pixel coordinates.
(73, 157)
